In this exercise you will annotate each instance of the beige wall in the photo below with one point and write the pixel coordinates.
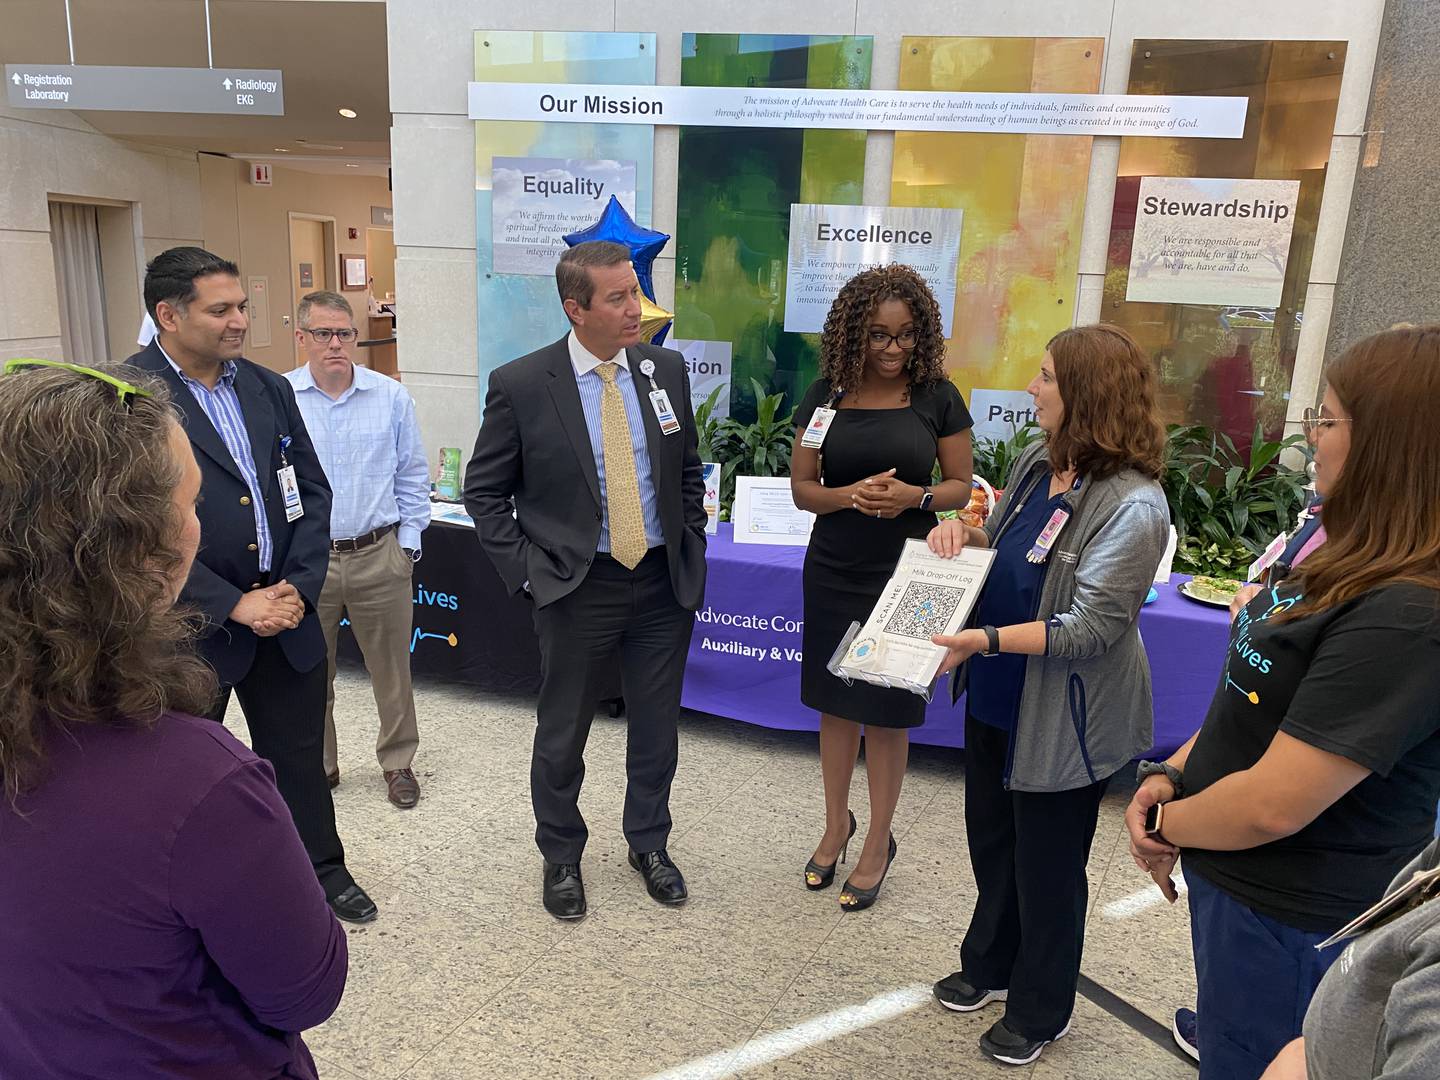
(44, 153)
(251, 225)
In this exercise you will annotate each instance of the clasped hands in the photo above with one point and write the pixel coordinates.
(1153, 856)
(269, 609)
(883, 496)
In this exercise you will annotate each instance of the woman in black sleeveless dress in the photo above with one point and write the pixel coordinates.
(882, 371)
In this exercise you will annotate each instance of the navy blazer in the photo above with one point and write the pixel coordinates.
(533, 488)
(226, 566)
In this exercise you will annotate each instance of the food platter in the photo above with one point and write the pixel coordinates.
(1215, 592)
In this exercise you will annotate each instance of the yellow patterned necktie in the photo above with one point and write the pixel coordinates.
(622, 488)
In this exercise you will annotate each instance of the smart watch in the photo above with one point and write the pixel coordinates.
(992, 641)
(927, 498)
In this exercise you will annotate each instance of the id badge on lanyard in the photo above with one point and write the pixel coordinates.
(660, 400)
(819, 426)
(1040, 550)
(289, 487)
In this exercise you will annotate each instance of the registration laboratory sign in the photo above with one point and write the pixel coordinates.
(95, 87)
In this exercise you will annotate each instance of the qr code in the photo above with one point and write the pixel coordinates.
(924, 610)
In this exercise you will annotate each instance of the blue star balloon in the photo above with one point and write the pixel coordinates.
(644, 244)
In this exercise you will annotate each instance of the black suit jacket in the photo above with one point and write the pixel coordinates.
(225, 567)
(533, 489)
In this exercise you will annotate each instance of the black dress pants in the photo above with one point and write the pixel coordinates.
(615, 616)
(1028, 851)
(285, 712)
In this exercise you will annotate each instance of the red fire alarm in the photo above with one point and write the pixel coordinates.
(354, 233)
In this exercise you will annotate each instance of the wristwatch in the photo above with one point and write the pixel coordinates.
(927, 498)
(992, 641)
(1153, 768)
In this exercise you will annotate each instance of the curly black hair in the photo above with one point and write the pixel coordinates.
(845, 341)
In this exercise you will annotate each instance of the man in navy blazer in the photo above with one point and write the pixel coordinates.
(264, 540)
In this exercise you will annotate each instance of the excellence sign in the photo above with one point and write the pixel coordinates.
(831, 244)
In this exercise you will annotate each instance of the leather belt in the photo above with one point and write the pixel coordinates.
(358, 542)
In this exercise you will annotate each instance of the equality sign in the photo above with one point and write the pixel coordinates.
(240, 91)
(535, 201)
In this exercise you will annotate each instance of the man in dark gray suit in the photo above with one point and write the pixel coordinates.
(587, 494)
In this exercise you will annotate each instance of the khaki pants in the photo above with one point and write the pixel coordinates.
(372, 586)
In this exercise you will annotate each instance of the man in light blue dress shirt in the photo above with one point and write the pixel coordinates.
(365, 433)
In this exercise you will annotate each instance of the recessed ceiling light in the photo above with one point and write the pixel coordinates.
(349, 166)
(281, 150)
(349, 114)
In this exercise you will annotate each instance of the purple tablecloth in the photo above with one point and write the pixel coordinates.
(745, 656)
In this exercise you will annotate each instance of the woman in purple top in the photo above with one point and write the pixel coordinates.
(158, 915)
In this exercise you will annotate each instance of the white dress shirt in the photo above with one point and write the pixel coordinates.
(369, 445)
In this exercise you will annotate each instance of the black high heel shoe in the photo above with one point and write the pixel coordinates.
(853, 899)
(819, 877)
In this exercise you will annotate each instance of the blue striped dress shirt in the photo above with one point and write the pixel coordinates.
(369, 444)
(222, 406)
(591, 388)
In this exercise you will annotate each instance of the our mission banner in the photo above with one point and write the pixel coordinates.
(869, 110)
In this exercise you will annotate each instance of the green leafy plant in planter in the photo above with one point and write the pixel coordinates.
(758, 449)
(994, 458)
(1227, 506)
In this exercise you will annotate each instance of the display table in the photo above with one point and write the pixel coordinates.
(745, 656)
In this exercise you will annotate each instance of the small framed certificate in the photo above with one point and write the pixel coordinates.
(765, 513)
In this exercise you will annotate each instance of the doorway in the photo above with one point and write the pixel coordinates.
(79, 282)
(312, 260)
(380, 258)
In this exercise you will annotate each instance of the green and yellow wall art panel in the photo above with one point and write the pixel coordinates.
(1023, 198)
(518, 313)
(736, 187)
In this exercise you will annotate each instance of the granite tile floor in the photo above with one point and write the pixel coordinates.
(464, 976)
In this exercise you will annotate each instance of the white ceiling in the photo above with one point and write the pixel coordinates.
(332, 54)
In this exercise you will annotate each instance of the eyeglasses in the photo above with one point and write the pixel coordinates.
(123, 390)
(1314, 420)
(323, 336)
(880, 341)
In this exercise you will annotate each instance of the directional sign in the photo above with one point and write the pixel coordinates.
(146, 89)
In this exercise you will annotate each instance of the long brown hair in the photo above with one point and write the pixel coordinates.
(845, 341)
(1382, 519)
(87, 524)
(1111, 421)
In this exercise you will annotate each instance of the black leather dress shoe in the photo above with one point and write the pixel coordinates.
(353, 905)
(564, 891)
(663, 881)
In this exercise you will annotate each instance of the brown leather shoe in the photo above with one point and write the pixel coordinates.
(333, 778)
(404, 788)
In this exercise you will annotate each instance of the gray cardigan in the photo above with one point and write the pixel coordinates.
(1085, 709)
(1375, 1012)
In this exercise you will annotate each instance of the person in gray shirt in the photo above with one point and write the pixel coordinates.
(1374, 1014)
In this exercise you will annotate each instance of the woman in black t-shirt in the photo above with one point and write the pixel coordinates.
(887, 412)
(1316, 773)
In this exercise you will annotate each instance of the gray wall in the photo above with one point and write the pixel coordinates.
(433, 144)
(1390, 271)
